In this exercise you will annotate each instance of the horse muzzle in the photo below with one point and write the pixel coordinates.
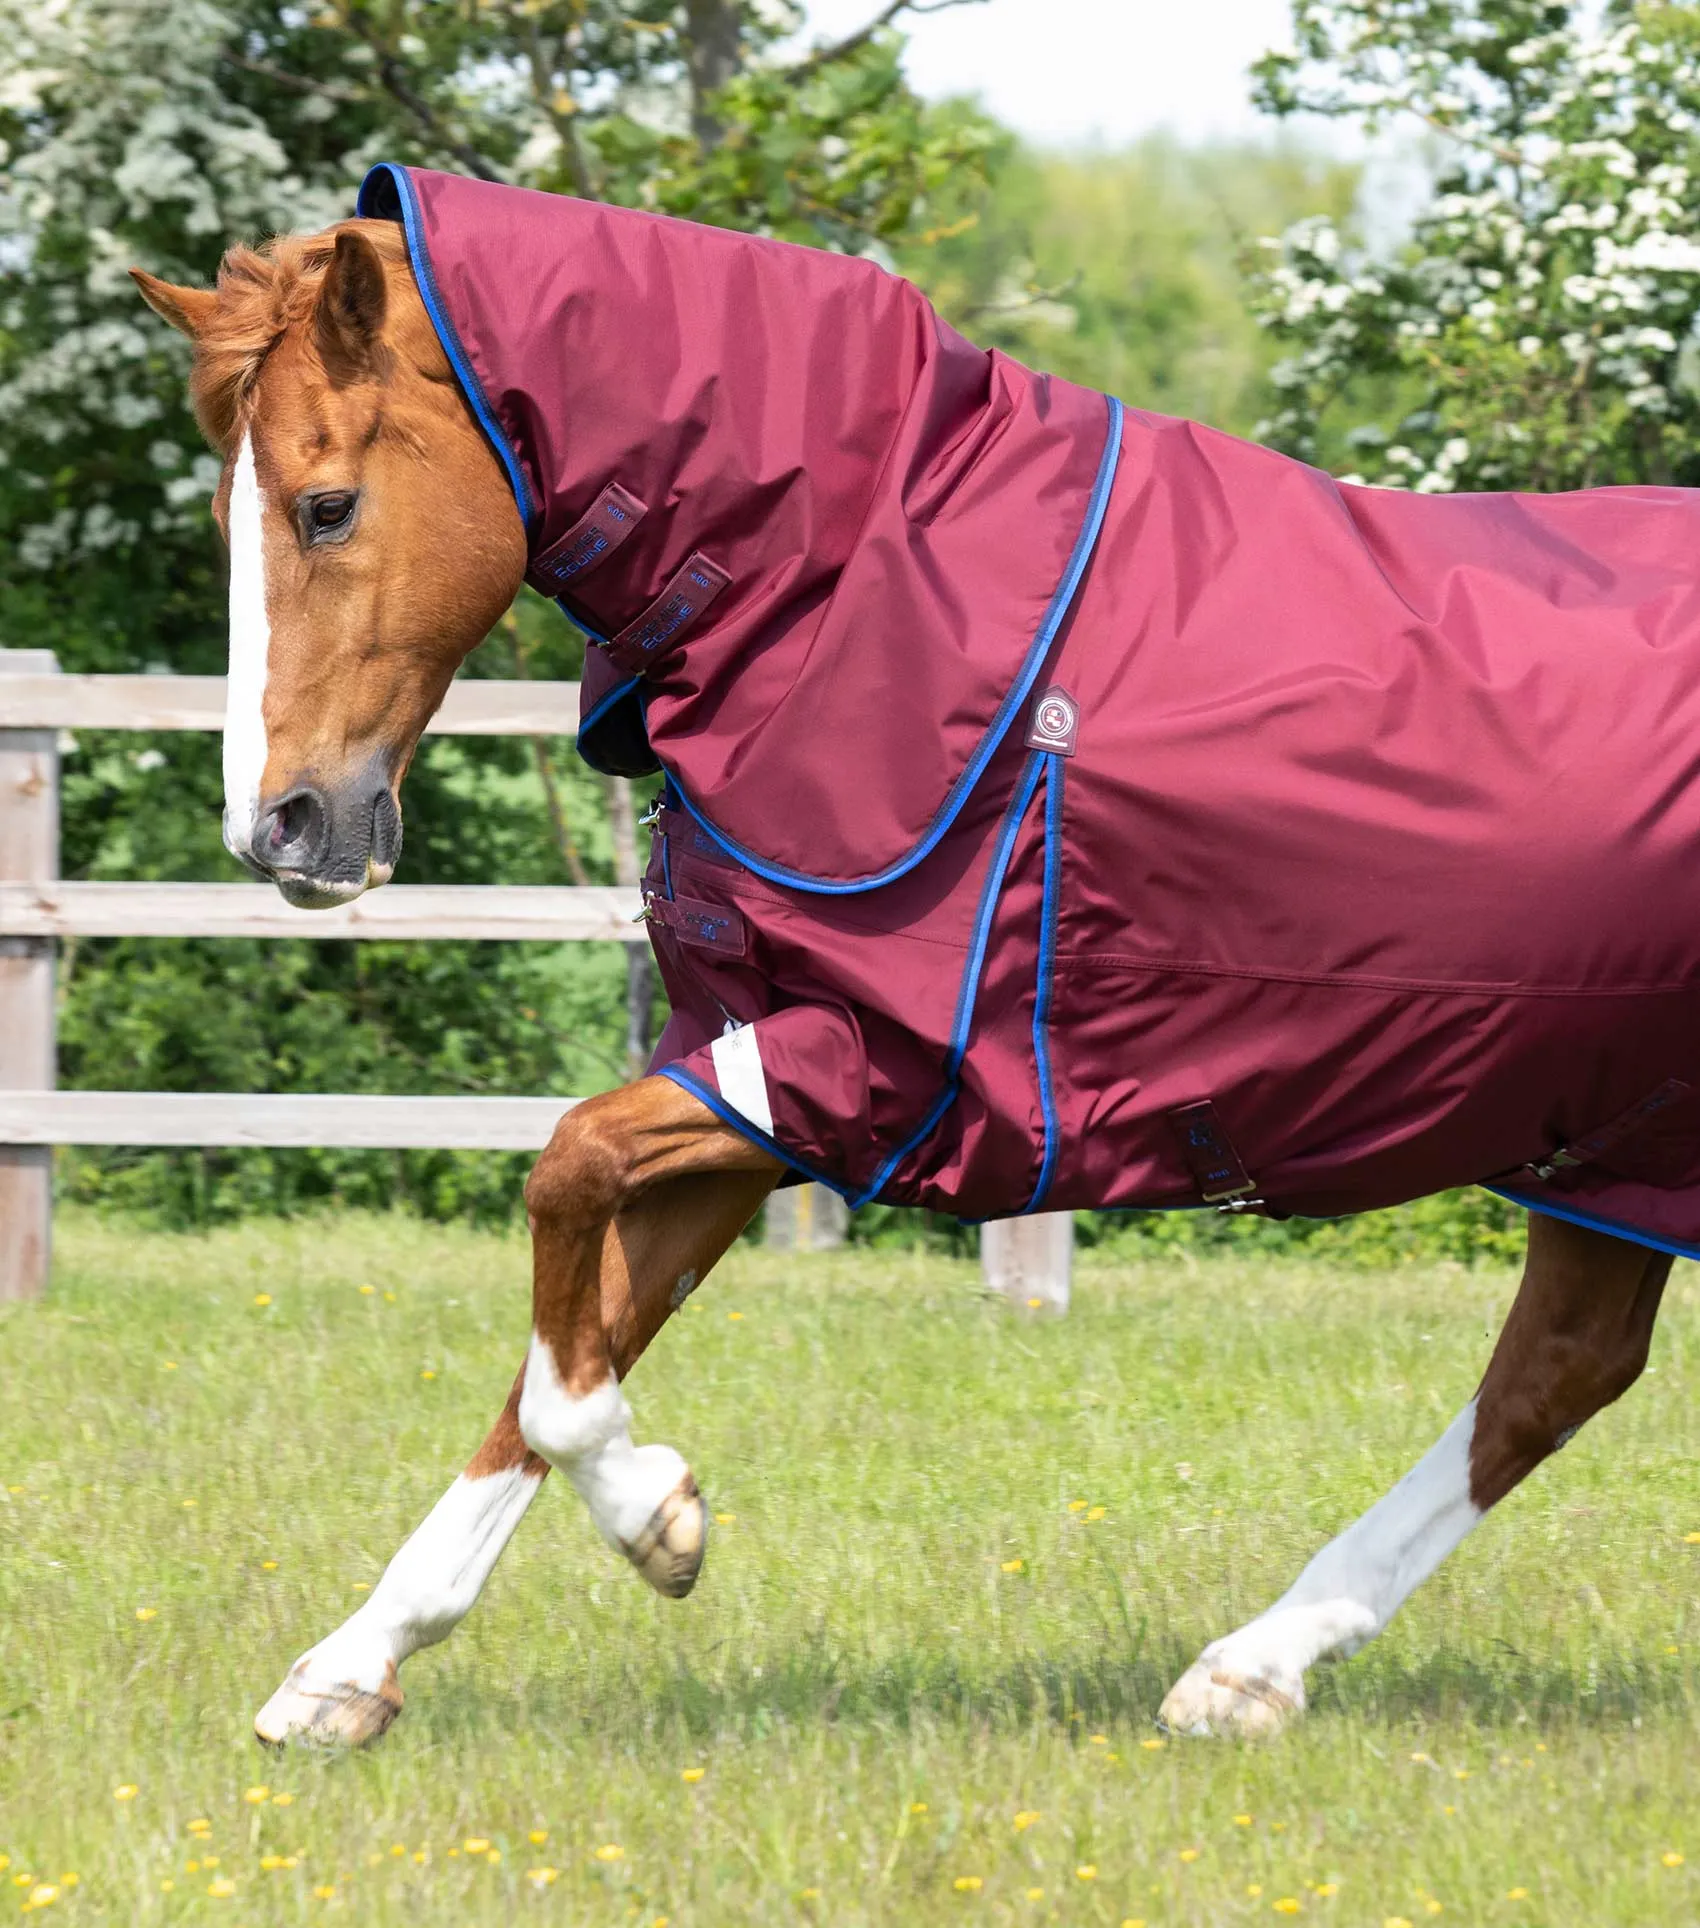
(324, 845)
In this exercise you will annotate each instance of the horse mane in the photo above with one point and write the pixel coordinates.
(262, 293)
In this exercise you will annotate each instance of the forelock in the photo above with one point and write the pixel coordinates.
(263, 293)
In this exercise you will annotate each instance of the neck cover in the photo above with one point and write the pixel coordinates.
(806, 513)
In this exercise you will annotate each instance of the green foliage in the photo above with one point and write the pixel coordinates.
(1123, 270)
(1539, 329)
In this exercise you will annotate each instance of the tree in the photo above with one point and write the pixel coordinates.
(1539, 329)
(157, 131)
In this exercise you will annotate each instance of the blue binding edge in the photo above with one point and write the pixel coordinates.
(1055, 772)
(996, 730)
(413, 227)
(962, 1023)
(1595, 1223)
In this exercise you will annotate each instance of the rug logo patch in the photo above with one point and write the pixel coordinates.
(1056, 722)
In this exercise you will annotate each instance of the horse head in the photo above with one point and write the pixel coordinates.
(373, 542)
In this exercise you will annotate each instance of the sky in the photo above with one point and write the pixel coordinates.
(1065, 72)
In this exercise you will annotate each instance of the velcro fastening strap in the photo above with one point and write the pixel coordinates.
(1209, 1153)
(591, 540)
(680, 605)
(688, 838)
(711, 927)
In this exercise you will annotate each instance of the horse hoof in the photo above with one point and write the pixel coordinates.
(669, 1551)
(341, 1715)
(1209, 1699)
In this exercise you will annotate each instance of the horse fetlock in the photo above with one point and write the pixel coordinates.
(563, 1428)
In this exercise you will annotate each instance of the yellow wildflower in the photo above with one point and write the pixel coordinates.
(191, 1867)
(1134, 1921)
(221, 1889)
(209, 1860)
(967, 1884)
(808, 1894)
(1035, 1894)
(725, 1519)
(363, 1586)
(42, 1895)
(1433, 1907)
(542, 1877)
(1152, 1743)
(1396, 1921)
(1025, 1819)
(1013, 1566)
(166, 1886)
(191, 1503)
(493, 1856)
(1087, 1871)
(1691, 1539)
(1189, 1855)
(421, 1856)
(538, 1836)
(1327, 1888)
(475, 1844)
(262, 1298)
(389, 1298)
(127, 1792)
(168, 1365)
(268, 1566)
(427, 1374)
(610, 1851)
(282, 1800)
(1671, 1858)
(1096, 1512)
(1077, 1506)
(69, 1880)
(734, 1316)
(1033, 1305)
(324, 1892)
(255, 1795)
(917, 1807)
(1254, 1889)
(200, 1825)
(271, 1862)
(692, 1774)
(147, 1613)
(1287, 1905)
(366, 1291)
(1517, 1894)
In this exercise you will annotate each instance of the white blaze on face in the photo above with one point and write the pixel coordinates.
(250, 641)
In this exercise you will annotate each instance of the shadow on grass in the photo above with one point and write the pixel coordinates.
(810, 1685)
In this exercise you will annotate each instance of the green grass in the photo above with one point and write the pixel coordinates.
(887, 1443)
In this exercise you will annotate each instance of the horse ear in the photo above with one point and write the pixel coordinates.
(187, 309)
(349, 321)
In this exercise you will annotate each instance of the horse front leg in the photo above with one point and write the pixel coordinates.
(1576, 1338)
(643, 1184)
(649, 1255)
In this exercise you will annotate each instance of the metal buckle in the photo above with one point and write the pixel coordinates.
(1561, 1160)
(1242, 1201)
(647, 914)
(652, 816)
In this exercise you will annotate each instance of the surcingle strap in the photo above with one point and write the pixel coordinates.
(643, 643)
(1607, 1137)
(1216, 1167)
(591, 540)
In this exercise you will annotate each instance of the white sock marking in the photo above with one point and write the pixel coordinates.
(428, 1588)
(589, 1439)
(250, 643)
(1356, 1584)
(743, 1079)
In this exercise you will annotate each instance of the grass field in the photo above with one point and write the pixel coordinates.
(919, 1688)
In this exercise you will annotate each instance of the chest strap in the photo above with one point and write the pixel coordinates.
(591, 540)
(1607, 1137)
(680, 606)
(1217, 1169)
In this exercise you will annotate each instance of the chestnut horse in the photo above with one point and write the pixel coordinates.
(373, 543)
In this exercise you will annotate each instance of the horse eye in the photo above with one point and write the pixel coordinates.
(326, 514)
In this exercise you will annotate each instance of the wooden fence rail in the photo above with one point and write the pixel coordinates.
(1027, 1261)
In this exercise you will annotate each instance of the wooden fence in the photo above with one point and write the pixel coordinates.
(37, 909)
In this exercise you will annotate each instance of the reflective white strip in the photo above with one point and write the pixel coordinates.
(743, 1082)
(250, 642)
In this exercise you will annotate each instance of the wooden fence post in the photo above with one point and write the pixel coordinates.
(1029, 1261)
(806, 1218)
(29, 851)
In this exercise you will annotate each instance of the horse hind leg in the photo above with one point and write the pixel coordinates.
(636, 1197)
(1576, 1338)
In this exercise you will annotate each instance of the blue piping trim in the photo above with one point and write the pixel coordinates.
(616, 695)
(1595, 1223)
(413, 227)
(961, 1024)
(739, 1123)
(996, 731)
(1055, 771)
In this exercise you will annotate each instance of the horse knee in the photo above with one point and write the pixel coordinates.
(578, 1179)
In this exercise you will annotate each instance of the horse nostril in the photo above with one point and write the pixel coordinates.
(293, 832)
